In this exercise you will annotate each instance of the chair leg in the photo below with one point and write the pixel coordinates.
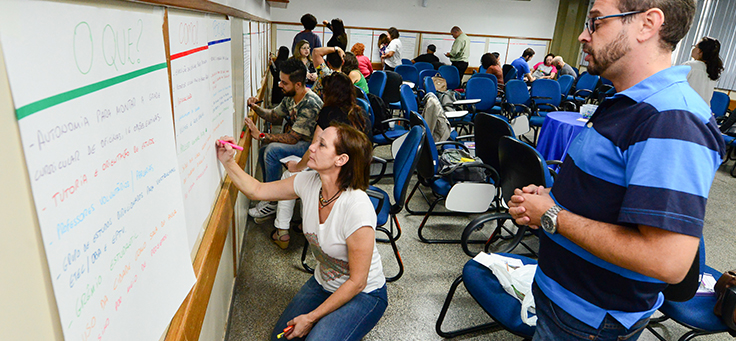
(440, 241)
(304, 258)
(393, 220)
(396, 254)
(443, 313)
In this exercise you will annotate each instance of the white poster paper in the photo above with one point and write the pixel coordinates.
(443, 43)
(91, 93)
(247, 78)
(364, 37)
(255, 45)
(408, 45)
(221, 81)
(193, 119)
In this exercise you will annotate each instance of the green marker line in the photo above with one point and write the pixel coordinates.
(32, 108)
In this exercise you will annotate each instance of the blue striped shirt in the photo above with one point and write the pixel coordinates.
(647, 157)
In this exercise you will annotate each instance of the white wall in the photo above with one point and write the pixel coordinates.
(532, 19)
(259, 8)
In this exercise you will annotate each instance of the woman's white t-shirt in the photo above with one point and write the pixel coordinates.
(699, 80)
(351, 211)
(395, 60)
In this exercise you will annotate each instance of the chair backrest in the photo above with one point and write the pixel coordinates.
(429, 85)
(508, 73)
(377, 83)
(366, 106)
(423, 66)
(521, 165)
(719, 104)
(429, 160)
(577, 72)
(517, 92)
(405, 163)
(405, 61)
(565, 84)
(451, 75)
(359, 93)
(425, 73)
(486, 75)
(484, 89)
(587, 82)
(391, 92)
(492, 128)
(408, 100)
(546, 88)
(408, 73)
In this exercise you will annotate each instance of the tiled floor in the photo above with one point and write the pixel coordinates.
(269, 277)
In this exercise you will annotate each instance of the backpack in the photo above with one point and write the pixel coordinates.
(380, 113)
(728, 127)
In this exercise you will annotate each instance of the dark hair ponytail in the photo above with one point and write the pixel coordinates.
(710, 48)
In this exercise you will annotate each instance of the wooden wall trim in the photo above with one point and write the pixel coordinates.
(203, 6)
(423, 32)
(187, 323)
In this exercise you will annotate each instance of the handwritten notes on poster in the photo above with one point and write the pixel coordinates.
(247, 79)
(193, 119)
(91, 94)
(221, 81)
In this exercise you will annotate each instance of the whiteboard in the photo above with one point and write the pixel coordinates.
(499, 45)
(408, 45)
(517, 47)
(193, 118)
(364, 37)
(96, 129)
(477, 49)
(285, 35)
(443, 42)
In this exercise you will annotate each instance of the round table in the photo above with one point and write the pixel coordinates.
(557, 132)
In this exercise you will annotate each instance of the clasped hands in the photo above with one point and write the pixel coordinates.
(529, 204)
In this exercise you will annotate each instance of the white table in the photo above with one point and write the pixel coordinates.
(466, 101)
(410, 84)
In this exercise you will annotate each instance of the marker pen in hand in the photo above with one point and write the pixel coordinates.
(257, 102)
(286, 330)
(231, 144)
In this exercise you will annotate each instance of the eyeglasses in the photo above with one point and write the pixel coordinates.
(590, 23)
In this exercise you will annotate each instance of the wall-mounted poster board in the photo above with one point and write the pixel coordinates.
(364, 37)
(247, 76)
(442, 42)
(93, 108)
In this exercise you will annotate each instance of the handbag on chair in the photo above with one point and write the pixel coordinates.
(440, 84)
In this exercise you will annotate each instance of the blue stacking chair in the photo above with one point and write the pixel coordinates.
(451, 75)
(424, 74)
(546, 97)
(423, 66)
(405, 61)
(509, 73)
(408, 73)
(408, 101)
(388, 136)
(485, 75)
(429, 85)
(585, 88)
(377, 83)
(719, 105)
(517, 105)
(696, 313)
(566, 82)
(484, 89)
(475, 197)
(391, 93)
(520, 165)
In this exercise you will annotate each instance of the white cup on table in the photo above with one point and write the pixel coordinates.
(587, 110)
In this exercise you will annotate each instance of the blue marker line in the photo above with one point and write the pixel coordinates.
(218, 41)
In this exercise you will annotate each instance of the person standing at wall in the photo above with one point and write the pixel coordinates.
(619, 225)
(309, 22)
(392, 57)
(460, 50)
(706, 67)
(339, 36)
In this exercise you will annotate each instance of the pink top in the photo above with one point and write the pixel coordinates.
(364, 65)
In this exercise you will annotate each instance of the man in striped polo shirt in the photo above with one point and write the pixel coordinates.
(625, 215)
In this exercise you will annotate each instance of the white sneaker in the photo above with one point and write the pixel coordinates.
(263, 209)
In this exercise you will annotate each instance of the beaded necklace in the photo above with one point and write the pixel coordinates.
(323, 203)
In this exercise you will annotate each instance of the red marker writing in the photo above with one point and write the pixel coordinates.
(286, 330)
(231, 144)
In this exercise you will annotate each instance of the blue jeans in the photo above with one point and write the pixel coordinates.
(352, 321)
(553, 323)
(270, 155)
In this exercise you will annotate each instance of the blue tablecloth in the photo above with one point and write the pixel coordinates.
(557, 133)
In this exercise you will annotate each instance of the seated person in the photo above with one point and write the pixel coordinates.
(300, 107)
(563, 68)
(545, 70)
(350, 68)
(303, 54)
(328, 60)
(489, 62)
(428, 57)
(364, 63)
(339, 106)
(521, 65)
(346, 296)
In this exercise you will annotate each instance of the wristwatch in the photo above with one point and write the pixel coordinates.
(261, 137)
(549, 219)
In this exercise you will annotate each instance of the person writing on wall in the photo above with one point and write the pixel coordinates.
(347, 296)
(620, 224)
(460, 51)
(706, 67)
